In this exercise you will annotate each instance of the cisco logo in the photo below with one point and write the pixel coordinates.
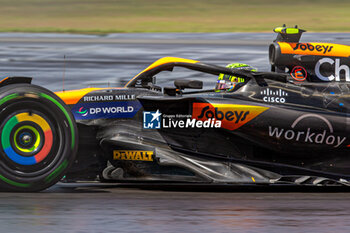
(274, 96)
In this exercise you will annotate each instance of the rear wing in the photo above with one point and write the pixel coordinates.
(288, 34)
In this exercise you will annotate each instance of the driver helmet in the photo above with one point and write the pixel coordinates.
(228, 82)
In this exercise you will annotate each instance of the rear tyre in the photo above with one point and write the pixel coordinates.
(38, 138)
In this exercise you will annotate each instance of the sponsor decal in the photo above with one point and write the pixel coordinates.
(124, 97)
(105, 110)
(152, 120)
(113, 109)
(98, 98)
(102, 98)
(83, 112)
(133, 155)
(318, 49)
(232, 116)
(308, 135)
(274, 96)
(322, 48)
(337, 70)
(299, 73)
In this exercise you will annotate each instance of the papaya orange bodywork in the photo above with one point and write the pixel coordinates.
(162, 61)
(73, 96)
(4, 79)
(166, 60)
(315, 49)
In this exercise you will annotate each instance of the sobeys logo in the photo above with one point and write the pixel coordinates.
(134, 155)
(232, 116)
(308, 135)
(322, 48)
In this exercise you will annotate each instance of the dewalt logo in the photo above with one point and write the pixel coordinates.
(133, 155)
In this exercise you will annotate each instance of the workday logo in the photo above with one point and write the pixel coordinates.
(151, 120)
(82, 112)
(320, 135)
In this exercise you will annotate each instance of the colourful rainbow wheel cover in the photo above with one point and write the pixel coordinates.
(22, 142)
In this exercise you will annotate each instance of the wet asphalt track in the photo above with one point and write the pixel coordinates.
(113, 60)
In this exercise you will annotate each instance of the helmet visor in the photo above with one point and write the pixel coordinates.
(224, 85)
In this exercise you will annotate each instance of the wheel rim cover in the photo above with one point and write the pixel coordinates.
(24, 145)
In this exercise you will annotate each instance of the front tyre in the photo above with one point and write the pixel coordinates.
(38, 138)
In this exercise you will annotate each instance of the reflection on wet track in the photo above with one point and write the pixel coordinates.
(96, 209)
(114, 59)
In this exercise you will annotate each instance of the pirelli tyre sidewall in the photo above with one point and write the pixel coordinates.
(38, 138)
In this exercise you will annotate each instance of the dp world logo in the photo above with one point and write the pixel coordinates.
(82, 112)
(151, 120)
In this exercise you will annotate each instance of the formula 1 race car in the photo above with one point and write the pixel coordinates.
(271, 128)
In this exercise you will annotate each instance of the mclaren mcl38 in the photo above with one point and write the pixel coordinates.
(289, 126)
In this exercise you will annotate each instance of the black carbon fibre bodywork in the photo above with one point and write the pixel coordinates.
(273, 130)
